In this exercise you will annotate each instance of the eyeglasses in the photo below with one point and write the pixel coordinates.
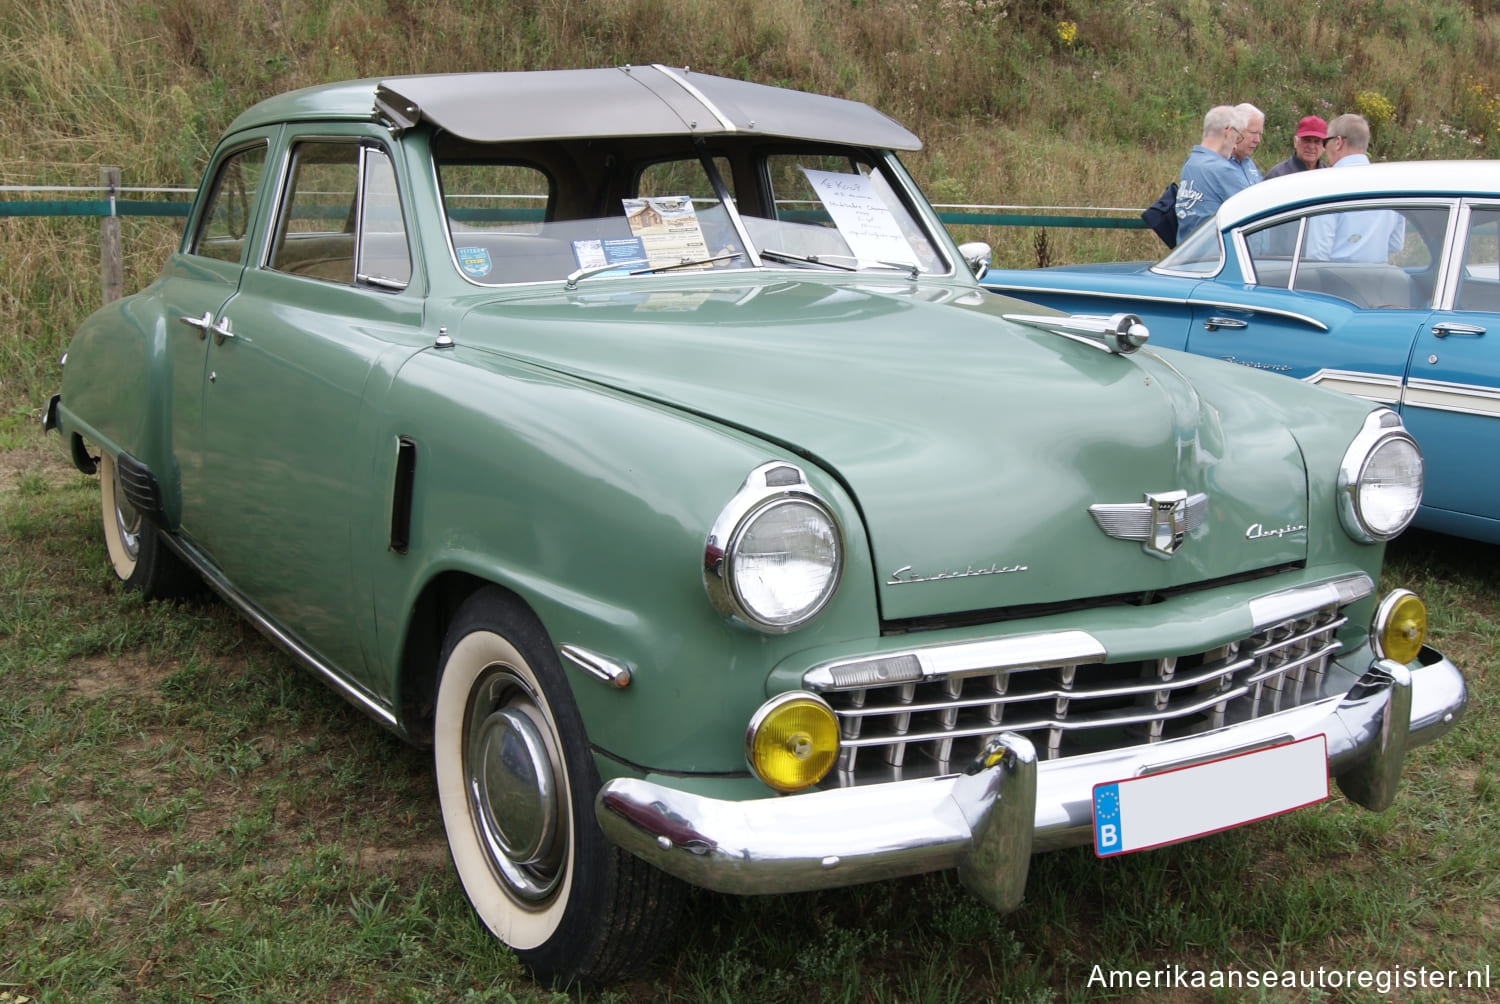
(1330, 139)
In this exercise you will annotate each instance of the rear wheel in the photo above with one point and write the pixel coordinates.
(136, 553)
(517, 781)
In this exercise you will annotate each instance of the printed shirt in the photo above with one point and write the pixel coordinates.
(1207, 179)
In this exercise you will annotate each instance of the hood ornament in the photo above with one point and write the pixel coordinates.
(1160, 523)
(1120, 334)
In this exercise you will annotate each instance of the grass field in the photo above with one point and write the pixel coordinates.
(189, 817)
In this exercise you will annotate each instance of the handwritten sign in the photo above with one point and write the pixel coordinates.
(867, 224)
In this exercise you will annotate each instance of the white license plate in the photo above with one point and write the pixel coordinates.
(1186, 802)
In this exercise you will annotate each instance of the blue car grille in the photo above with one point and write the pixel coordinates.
(936, 725)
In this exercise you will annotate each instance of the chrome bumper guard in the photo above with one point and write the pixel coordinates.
(987, 820)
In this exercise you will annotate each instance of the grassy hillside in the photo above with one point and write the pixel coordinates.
(1032, 102)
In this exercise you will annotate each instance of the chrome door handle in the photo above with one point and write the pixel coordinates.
(1215, 323)
(221, 331)
(1445, 328)
(201, 323)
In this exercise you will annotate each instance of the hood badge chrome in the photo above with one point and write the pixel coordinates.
(1160, 523)
(904, 576)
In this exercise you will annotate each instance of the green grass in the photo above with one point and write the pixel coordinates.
(188, 816)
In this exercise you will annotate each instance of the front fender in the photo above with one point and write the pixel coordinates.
(594, 507)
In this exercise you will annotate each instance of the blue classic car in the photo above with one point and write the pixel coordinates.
(1280, 280)
(638, 441)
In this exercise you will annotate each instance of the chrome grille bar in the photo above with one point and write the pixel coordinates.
(928, 709)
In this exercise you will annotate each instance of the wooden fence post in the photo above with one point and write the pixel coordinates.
(111, 267)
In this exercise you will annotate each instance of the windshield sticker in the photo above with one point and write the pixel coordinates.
(668, 230)
(864, 220)
(475, 262)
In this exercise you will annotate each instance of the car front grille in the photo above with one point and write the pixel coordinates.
(922, 724)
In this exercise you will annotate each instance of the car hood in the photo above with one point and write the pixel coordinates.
(972, 447)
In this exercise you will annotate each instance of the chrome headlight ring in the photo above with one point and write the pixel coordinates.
(775, 555)
(1380, 479)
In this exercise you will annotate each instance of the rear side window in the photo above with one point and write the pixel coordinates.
(226, 219)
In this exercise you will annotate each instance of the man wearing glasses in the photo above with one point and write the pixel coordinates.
(1307, 148)
(1368, 235)
(1208, 176)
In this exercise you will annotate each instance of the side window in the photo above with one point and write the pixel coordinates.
(1271, 250)
(331, 227)
(1375, 258)
(384, 258)
(221, 231)
(1479, 280)
(315, 225)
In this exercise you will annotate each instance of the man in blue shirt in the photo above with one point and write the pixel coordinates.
(1208, 176)
(1367, 235)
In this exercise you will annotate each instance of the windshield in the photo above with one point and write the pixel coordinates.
(1201, 254)
(569, 211)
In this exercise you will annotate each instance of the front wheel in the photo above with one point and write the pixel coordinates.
(516, 782)
(136, 553)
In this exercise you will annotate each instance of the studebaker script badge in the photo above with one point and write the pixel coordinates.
(904, 576)
(1160, 523)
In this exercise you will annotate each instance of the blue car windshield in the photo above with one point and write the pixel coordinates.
(1201, 254)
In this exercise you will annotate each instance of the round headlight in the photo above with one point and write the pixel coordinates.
(775, 556)
(1400, 626)
(1380, 481)
(792, 741)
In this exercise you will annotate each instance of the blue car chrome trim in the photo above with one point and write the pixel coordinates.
(1465, 399)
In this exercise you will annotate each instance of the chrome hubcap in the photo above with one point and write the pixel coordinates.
(512, 773)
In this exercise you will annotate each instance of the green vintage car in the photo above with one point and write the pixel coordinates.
(638, 440)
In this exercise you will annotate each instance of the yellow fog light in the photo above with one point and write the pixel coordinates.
(1400, 626)
(792, 741)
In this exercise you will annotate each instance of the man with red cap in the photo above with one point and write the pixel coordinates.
(1307, 148)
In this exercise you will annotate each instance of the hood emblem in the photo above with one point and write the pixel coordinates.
(1160, 523)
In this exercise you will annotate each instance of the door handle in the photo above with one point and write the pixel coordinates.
(1445, 328)
(201, 323)
(221, 331)
(1215, 323)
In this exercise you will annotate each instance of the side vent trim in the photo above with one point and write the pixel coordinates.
(401, 493)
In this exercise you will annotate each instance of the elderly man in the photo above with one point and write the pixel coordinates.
(1307, 148)
(1368, 235)
(1208, 176)
(1244, 150)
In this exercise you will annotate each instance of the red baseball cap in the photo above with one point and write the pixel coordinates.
(1311, 125)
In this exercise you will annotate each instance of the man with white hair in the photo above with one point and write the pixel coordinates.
(1208, 176)
(1244, 150)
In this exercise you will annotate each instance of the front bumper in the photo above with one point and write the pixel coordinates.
(988, 820)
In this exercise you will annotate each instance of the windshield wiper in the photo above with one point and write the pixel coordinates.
(584, 273)
(685, 264)
(810, 259)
